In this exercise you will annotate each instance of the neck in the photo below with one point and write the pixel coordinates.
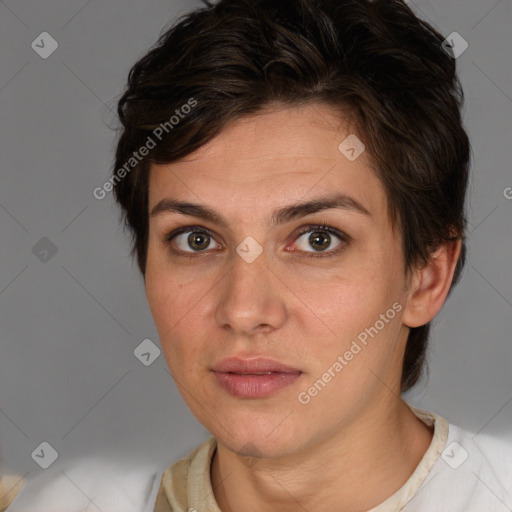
(354, 470)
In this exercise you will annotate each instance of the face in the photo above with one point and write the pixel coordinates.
(265, 277)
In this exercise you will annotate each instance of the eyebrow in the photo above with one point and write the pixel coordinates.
(279, 216)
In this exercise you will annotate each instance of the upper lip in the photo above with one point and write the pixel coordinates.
(254, 365)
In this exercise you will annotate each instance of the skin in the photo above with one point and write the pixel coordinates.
(356, 442)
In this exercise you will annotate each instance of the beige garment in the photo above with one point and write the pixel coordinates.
(186, 486)
(10, 486)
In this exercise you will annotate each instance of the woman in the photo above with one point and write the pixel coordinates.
(294, 175)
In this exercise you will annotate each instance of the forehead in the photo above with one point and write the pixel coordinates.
(273, 158)
(307, 133)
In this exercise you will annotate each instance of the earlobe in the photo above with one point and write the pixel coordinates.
(430, 285)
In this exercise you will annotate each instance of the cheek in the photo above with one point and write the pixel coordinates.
(164, 303)
(349, 298)
(159, 296)
(164, 288)
(349, 305)
(345, 312)
(177, 312)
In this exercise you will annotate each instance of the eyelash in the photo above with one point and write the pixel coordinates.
(344, 239)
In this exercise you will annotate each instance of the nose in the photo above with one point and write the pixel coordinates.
(250, 298)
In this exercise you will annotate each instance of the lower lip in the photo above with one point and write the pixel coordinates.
(255, 386)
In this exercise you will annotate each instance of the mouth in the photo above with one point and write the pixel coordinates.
(252, 366)
(254, 378)
(252, 373)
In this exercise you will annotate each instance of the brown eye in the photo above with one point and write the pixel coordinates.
(321, 240)
(198, 241)
(192, 240)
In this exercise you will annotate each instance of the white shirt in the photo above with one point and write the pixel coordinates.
(459, 472)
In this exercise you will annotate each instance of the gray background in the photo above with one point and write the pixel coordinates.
(69, 325)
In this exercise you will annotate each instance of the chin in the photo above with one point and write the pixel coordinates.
(270, 439)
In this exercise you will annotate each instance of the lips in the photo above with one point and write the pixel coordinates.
(254, 378)
(256, 366)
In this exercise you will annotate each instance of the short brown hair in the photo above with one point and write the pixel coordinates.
(375, 59)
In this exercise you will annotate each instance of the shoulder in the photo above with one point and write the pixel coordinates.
(488, 456)
(73, 486)
(473, 473)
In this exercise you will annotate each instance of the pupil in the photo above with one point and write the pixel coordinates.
(315, 237)
(201, 240)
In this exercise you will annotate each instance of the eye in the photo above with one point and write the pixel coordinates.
(193, 240)
(321, 238)
(196, 238)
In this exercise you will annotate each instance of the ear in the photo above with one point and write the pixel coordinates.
(430, 285)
